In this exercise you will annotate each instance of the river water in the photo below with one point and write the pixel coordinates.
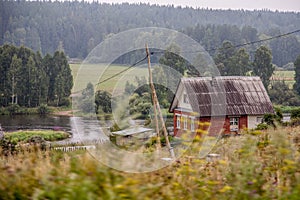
(82, 129)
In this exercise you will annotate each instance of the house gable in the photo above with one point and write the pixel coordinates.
(181, 100)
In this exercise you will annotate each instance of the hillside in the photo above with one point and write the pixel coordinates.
(77, 27)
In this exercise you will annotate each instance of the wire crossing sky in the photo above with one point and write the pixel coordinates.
(162, 51)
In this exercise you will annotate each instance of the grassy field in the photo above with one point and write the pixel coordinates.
(261, 166)
(26, 135)
(96, 73)
(286, 76)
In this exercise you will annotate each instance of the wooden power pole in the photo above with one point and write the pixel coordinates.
(156, 106)
(153, 93)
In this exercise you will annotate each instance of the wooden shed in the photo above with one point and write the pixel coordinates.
(132, 136)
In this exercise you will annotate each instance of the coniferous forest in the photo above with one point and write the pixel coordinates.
(30, 80)
(77, 27)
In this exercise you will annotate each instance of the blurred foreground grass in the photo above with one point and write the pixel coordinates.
(264, 165)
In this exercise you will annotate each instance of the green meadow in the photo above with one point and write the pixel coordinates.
(287, 76)
(101, 72)
(105, 77)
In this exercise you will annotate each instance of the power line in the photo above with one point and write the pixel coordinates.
(199, 51)
(115, 75)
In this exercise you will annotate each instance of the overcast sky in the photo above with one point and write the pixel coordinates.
(281, 5)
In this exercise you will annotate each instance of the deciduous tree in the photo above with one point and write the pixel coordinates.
(262, 65)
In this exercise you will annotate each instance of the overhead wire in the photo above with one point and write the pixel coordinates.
(198, 51)
(115, 75)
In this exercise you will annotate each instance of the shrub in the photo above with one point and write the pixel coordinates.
(64, 102)
(295, 121)
(295, 113)
(13, 109)
(43, 109)
(262, 126)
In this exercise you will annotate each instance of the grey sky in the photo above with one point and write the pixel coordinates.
(281, 5)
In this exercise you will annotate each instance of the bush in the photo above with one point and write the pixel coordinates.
(13, 109)
(3, 111)
(262, 126)
(295, 121)
(64, 102)
(295, 113)
(43, 109)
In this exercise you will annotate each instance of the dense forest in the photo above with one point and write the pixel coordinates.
(30, 80)
(77, 27)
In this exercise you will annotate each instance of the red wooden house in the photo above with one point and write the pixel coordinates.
(228, 103)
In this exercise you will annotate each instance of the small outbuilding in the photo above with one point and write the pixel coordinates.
(232, 102)
(132, 136)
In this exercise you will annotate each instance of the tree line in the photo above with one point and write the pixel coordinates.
(229, 60)
(77, 27)
(30, 80)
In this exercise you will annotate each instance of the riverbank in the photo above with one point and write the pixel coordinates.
(44, 109)
(67, 113)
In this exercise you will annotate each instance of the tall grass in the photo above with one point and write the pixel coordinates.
(261, 166)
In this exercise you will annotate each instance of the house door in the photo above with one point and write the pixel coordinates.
(234, 124)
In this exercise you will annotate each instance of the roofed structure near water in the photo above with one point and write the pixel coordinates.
(224, 95)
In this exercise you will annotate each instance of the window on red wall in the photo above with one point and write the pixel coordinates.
(192, 125)
(185, 122)
(178, 121)
(234, 123)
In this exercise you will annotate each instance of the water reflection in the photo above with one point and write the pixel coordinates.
(82, 129)
(86, 130)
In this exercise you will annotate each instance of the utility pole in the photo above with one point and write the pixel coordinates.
(156, 106)
(153, 93)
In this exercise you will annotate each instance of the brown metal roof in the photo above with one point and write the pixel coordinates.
(225, 95)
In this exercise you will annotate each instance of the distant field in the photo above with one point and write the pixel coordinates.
(96, 73)
(286, 76)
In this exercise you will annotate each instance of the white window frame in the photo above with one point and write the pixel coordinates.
(185, 123)
(178, 121)
(234, 121)
(192, 124)
(259, 120)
